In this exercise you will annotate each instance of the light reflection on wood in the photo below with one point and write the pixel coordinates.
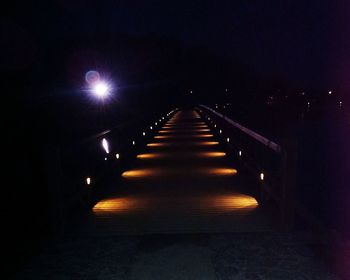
(179, 144)
(157, 144)
(218, 203)
(208, 143)
(183, 136)
(184, 125)
(232, 202)
(211, 154)
(141, 173)
(161, 171)
(117, 205)
(151, 156)
(194, 130)
(222, 171)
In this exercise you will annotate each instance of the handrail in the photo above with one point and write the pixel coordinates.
(268, 143)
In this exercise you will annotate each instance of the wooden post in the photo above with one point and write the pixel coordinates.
(289, 181)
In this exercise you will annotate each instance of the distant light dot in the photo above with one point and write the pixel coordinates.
(262, 176)
(117, 156)
(88, 180)
(133, 142)
(227, 139)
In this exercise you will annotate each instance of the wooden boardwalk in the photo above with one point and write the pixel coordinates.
(182, 183)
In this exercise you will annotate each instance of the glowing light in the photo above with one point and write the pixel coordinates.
(117, 156)
(150, 156)
(235, 202)
(134, 143)
(227, 139)
(88, 180)
(183, 130)
(163, 136)
(215, 125)
(180, 127)
(140, 173)
(330, 92)
(203, 135)
(150, 127)
(105, 145)
(209, 143)
(144, 133)
(156, 123)
(101, 89)
(105, 158)
(340, 103)
(240, 153)
(220, 131)
(262, 176)
(222, 171)
(156, 144)
(116, 205)
(180, 136)
(212, 154)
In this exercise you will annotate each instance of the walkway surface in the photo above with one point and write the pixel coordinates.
(182, 183)
(183, 212)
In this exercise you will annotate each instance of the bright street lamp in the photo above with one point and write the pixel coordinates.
(101, 89)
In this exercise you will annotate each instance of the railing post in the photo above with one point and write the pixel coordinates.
(289, 181)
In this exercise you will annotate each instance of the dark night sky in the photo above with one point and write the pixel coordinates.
(294, 40)
(287, 40)
(303, 42)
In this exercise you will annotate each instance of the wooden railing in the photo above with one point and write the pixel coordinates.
(273, 164)
(85, 170)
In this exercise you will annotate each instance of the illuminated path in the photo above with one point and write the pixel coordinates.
(182, 182)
